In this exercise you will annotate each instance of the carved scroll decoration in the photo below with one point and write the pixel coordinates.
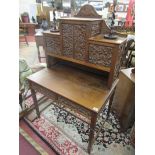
(80, 42)
(67, 36)
(101, 55)
(88, 11)
(53, 45)
(95, 28)
(63, 101)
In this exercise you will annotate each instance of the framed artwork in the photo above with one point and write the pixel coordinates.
(119, 8)
(126, 7)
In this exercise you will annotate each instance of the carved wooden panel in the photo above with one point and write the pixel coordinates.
(53, 45)
(95, 28)
(80, 42)
(118, 62)
(67, 37)
(100, 54)
(63, 101)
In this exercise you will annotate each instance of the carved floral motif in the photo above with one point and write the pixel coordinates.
(53, 45)
(73, 106)
(67, 36)
(118, 62)
(80, 41)
(95, 29)
(101, 55)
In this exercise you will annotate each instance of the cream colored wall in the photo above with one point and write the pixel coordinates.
(28, 6)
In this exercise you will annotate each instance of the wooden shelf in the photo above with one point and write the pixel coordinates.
(98, 67)
(100, 39)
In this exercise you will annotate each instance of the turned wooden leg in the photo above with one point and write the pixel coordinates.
(38, 53)
(92, 130)
(20, 99)
(110, 102)
(35, 102)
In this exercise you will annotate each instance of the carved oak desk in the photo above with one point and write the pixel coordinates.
(80, 91)
(39, 42)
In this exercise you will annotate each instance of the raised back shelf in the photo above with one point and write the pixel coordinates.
(98, 67)
(81, 41)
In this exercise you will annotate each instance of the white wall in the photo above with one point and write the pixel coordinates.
(28, 6)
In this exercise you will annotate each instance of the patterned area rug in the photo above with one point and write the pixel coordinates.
(68, 135)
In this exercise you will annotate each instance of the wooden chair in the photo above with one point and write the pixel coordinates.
(24, 72)
(129, 52)
(23, 34)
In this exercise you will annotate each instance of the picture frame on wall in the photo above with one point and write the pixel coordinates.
(119, 8)
(126, 7)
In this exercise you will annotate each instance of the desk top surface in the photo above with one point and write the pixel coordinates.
(86, 89)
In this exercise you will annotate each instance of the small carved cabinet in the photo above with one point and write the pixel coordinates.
(81, 41)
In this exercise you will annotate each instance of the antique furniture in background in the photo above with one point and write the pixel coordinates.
(25, 17)
(30, 27)
(39, 42)
(23, 35)
(82, 68)
(124, 99)
(24, 71)
(130, 50)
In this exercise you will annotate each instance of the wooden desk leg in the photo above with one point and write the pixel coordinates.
(92, 130)
(35, 102)
(110, 103)
(38, 53)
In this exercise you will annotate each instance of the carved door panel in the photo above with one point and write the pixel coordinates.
(80, 42)
(53, 45)
(67, 37)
